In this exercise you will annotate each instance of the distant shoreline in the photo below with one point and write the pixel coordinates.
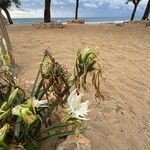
(88, 20)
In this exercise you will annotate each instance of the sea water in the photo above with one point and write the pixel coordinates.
(88, 20)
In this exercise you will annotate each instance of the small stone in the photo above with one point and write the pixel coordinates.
(75, 21)
(49, 25)
(148, 24)
(75, 143)
(119, 24)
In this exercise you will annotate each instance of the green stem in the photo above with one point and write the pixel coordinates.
(34, 85)
(59, 125)
(50, 110)
(37, 77)
(3, 146)
(63, 134)
(39, 87)
(43, 92)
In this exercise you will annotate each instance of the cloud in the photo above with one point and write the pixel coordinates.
(66, 8)
(90, 5)
(58, 2)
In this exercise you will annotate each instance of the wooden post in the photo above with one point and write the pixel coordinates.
(6, 37)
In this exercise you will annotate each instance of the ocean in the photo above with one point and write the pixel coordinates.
(88, 20)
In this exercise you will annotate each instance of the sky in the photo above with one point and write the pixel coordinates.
(66, 8)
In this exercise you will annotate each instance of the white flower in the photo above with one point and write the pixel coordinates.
(41, 103)
(35, 103)
(77, 109)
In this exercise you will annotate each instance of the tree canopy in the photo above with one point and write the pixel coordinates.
(5, 4)
(8, 3)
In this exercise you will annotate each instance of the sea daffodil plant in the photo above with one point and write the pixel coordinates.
(26, 118)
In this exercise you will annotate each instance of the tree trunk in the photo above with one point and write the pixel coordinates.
(6, 37)
(47, 12)
(133, 13)
(4, 31)
(8, 15)
(147, 11)
(77, 8)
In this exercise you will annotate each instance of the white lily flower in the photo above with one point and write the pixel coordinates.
(41, 103)
(35, 103)
(77, 109)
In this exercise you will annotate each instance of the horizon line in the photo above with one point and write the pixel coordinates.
(73, 17)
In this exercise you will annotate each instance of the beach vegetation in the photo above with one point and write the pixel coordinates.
(27, 117)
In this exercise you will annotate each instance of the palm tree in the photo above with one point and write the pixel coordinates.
(135, 2)
(77, 8)
(47, 11)
(147, 11)
(5, 4)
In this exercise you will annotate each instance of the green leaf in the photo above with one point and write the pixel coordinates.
(12, 97)
(30, 146)
(5, 114)
(17, 128)
(3, 146)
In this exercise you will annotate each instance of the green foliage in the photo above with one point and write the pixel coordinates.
(29, 116)
(8, 3)
(87, 62)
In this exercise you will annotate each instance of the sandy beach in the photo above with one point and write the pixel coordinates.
(122, 120)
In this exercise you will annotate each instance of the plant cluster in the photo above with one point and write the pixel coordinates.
(27, 118)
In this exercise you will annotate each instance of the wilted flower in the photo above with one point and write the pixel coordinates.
(3, 131)
(24, 113)
(88, 53)
(71, 80)
(87, 59)
(77, 109)
(46, 66)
